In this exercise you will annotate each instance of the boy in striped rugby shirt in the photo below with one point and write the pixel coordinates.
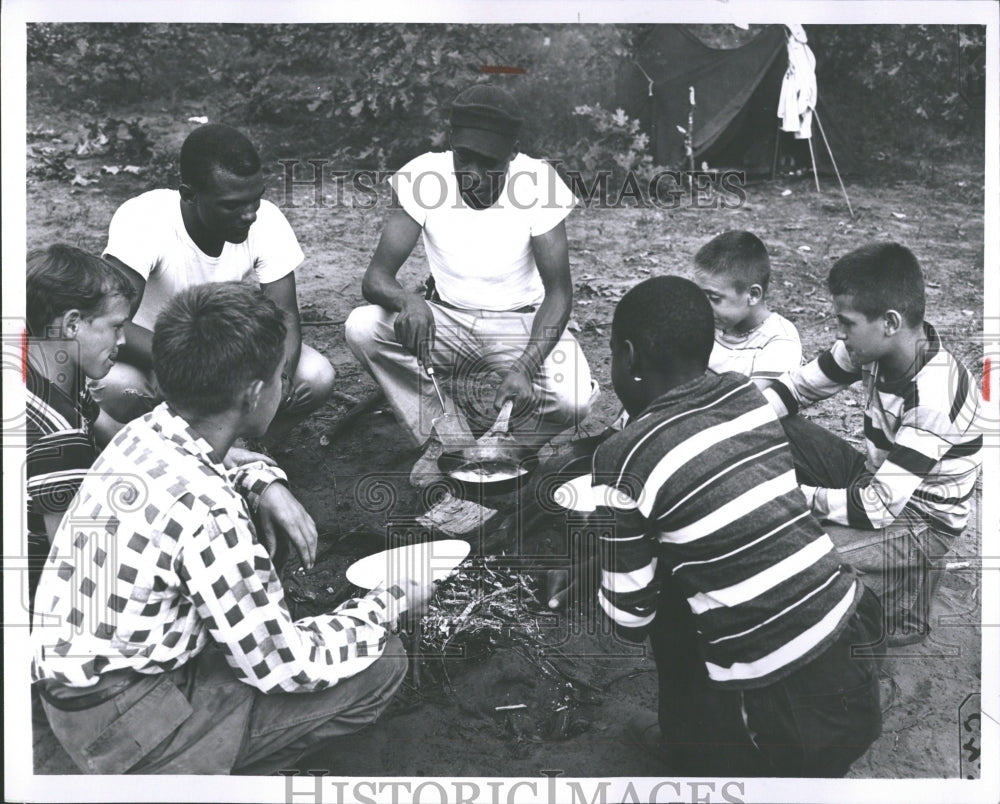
(76, 309)
(750, 612)
(897, 507)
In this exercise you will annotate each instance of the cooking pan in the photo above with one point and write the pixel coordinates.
(496, 464)
(488, 469)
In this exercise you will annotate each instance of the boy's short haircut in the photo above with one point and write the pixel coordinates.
(668, 317)
(216, 145)
(880, 277)
(61, 278)
(739, 256)
(211, 340)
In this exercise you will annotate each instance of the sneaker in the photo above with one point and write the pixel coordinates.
(425, 471)
(912, 630)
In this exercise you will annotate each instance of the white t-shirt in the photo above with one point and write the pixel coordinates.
(767, 351)
(147, 234)
(482, 259)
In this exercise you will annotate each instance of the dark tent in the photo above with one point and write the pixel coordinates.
(736, 102)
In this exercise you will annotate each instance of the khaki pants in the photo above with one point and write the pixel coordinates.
(469, 347)
(128, 392)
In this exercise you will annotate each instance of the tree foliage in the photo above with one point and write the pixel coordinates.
(377, 94)
(134, 60)
(926, 78)
(380, 90)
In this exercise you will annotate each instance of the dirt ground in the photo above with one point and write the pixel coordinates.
(446, 722)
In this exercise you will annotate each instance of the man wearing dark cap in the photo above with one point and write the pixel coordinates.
(493, 227)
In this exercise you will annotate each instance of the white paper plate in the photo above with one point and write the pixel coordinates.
(424, 562)
(576, 495)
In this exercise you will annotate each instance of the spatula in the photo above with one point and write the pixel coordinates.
(451, 428)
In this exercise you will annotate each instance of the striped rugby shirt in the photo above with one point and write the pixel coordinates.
(703, 493)
(60, 447)
(159, 555)
(923, 437)
(766, 352)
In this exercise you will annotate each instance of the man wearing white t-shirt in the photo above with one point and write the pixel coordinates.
(215, 228)
(493, 227)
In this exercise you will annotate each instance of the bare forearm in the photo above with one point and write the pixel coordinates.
(551, 254)
(546, 330)
(380, 285)
(293, 342)
(382, 288)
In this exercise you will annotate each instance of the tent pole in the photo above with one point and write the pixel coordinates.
(812, 155)
(774, 162)
(829, 150)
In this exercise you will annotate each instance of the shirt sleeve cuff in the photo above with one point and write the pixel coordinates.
(819, 501)
(774, 401)
(252, 479)
(384, 605)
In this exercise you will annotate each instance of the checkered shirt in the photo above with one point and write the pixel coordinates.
(158, 554)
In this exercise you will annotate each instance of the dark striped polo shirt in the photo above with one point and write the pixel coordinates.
(703, 493)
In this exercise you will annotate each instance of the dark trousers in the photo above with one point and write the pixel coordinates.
(200, 719)
(903, 562)
(813, 723)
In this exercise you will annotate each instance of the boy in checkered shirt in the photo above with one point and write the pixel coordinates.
(162, 641)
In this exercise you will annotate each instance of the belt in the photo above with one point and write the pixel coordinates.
(106, 688)
(434, 297)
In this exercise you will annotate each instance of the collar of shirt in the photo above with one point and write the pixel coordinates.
(902, 386)
(81, 412)
(699, 385)
(165, 421)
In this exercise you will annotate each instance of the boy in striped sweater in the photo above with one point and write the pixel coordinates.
(713, 553)
(76, 306)
(896, 508)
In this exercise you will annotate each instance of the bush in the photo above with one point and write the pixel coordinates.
(131, 60)
(375, 95)
(611, 141)
(378, 92)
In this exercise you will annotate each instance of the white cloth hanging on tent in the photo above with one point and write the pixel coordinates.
(798, 89)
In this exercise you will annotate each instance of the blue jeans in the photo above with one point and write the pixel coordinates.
(812, 723)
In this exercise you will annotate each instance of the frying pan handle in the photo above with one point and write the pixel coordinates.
(502, 424)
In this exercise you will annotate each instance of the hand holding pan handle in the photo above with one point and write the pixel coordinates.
(501, 427)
